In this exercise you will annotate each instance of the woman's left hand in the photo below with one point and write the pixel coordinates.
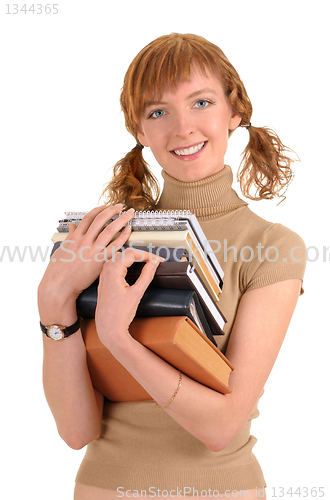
(117, 300)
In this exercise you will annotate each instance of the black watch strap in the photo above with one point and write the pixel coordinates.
(67, 330)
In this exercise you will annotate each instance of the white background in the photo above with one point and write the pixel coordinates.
(61, 131)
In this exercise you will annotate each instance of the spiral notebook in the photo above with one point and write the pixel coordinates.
(183, 229)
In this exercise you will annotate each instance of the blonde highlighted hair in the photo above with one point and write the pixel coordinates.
(162, 65)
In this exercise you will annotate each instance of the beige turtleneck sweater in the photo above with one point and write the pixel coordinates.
(253, 252)
(142, 448)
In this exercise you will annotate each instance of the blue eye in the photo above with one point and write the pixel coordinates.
(157, 114)
(201, 104)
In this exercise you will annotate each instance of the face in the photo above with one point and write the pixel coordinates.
(187, 129)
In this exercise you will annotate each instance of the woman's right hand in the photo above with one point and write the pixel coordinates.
(79, 262)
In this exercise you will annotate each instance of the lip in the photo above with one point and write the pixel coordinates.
(189, 157)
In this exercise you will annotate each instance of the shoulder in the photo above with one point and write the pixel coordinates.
(254, 250)
(281, 254)
(258, 230)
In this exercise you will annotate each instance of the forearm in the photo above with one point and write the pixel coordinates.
(76, 406)
(199, 410)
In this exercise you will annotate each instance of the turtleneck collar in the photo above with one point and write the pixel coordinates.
(206, 198)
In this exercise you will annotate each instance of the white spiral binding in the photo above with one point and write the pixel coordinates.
(160, 219)
(142, 220)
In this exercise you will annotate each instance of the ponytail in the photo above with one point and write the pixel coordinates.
(132, 183)
(264, 165)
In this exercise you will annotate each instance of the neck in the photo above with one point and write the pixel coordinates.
(207, 197)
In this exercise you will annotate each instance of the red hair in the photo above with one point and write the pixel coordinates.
(163, 64)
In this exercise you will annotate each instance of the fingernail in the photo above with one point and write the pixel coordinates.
(130, 211)
(127, 229)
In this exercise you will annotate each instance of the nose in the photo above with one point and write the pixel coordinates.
(184, 124)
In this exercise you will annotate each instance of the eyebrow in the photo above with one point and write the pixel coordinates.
(193, 94)
(202, 91)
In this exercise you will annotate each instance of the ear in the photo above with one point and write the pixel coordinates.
(142, 138)
(234, 121)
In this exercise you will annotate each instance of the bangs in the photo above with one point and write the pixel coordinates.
(162, 65)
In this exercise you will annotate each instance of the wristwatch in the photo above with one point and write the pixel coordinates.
(59, 332)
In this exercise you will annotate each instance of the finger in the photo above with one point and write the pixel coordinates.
(72, 228)
(117, 243)
(130, 255)
(89, 217)
(97, 228)
(97, 218)
(112, 230)
(146, 276)
(117, 263)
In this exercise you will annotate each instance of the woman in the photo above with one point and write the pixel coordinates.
(182, 98)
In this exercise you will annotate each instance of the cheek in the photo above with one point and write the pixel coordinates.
(218, 129)
(158, 139)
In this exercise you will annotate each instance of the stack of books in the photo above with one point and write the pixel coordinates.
(178, 315)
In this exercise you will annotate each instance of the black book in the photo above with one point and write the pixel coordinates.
(169, 275)
(156, 302)
(182, 276)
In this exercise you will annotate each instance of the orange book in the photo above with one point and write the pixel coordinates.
(175, 339)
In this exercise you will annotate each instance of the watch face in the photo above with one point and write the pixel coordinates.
(55, 332)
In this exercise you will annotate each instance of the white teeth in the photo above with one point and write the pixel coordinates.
(190, 151)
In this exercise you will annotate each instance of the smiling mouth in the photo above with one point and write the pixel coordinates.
(190, 151)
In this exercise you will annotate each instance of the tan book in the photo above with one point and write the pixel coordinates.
(185, 239)
(175, 339)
